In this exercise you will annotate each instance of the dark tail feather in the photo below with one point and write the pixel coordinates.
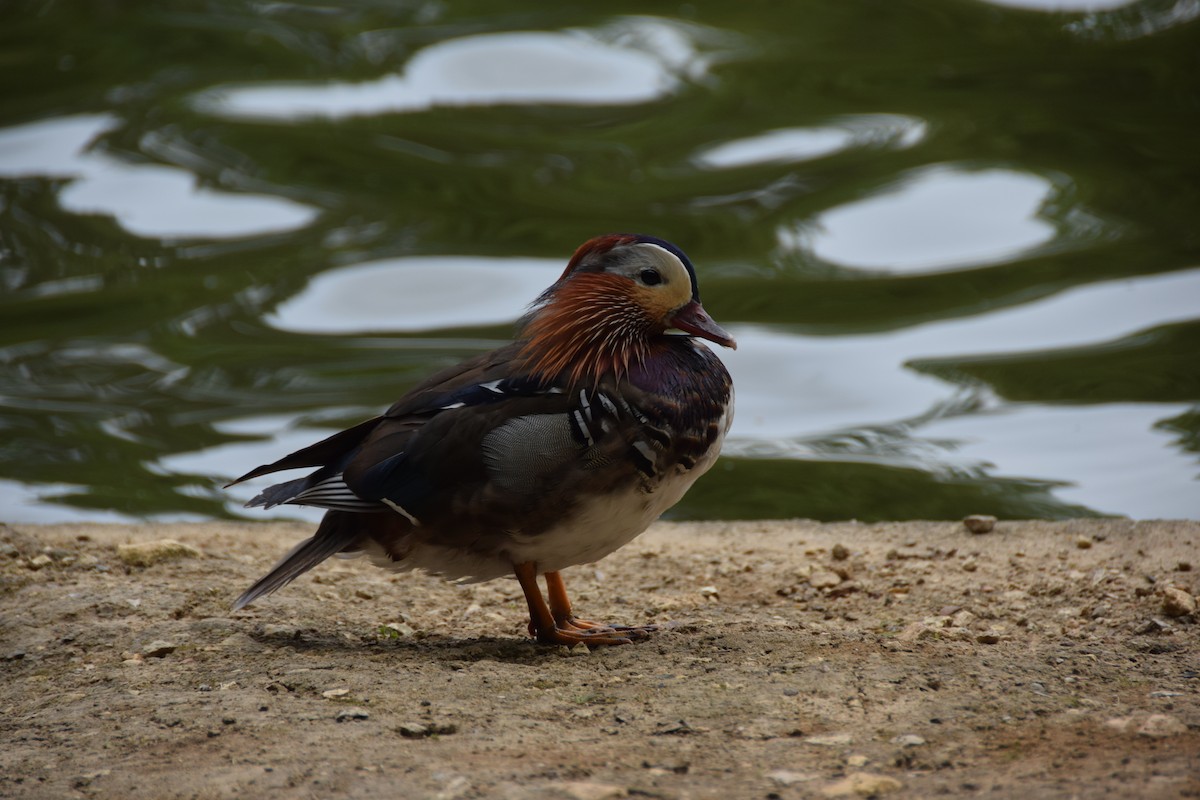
(338, 531)
(327, 451)
(280, 493)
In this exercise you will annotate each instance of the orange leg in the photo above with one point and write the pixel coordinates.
(555, 624)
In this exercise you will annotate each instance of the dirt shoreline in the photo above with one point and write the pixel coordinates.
(806, 660)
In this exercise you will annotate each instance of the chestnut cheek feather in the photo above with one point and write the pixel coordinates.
(592, 326)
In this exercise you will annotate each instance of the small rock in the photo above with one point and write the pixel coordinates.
(829, 739)
(412, 730)
(8, 551)
(824, 579)
(915, 632)
(159, 648)
(857, 761)
(980, 523)
(786, 777)
(37, 562)
(1083, 543)
(278, 631)
(441, 728)
(363, 594)
(840, 553)
(333, 694)
(1160, 726)
(1183, 566)
(710, 593)
(908, 740)
(577, 649)
(590, 790)
(80, 781)
(989, 637)
(863, 784)
(353, 713)
(144, 554)
(1153, 626)
(1177, 603)
(396, 630)
(970, 565)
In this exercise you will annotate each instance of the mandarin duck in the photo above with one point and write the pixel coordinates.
(552, 451)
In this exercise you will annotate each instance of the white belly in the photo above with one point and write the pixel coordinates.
(592, 531)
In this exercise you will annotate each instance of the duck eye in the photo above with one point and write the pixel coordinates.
(650, 277)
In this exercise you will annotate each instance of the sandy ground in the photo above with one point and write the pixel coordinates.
(806, 660)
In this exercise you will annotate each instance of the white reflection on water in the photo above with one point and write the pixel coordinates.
(939, 218)
(146, 200)
(236, 458)
(1062, 5)
(418, 293)
(1116, 458)
(36, 503)
(801, 144)
(570, 68)
(797, 390)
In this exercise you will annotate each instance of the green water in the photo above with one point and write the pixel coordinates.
(964, 279)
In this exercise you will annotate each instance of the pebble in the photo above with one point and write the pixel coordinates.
(37, 562)
(786, 777)
(1083, 543)
(857, 761)
(353, 713)
(980, 523)
(159, 648)
(279, 631)
(412, 730)
(824, 579)
(863, 784)
(333, 694)
(1153, 626)
(7, 550)
(420, 730)
(1160, 726)
(397, 629)
(590, 790)
(915, 632)
(1177, 603)
(577, 649)
(908, 740)
(145, 554)
(829, 739)
(840, 552)
(710, 593)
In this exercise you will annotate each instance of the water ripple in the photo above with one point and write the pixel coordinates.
(147, 200)
(642, 64)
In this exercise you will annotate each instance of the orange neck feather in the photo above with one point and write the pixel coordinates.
(590, 327)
